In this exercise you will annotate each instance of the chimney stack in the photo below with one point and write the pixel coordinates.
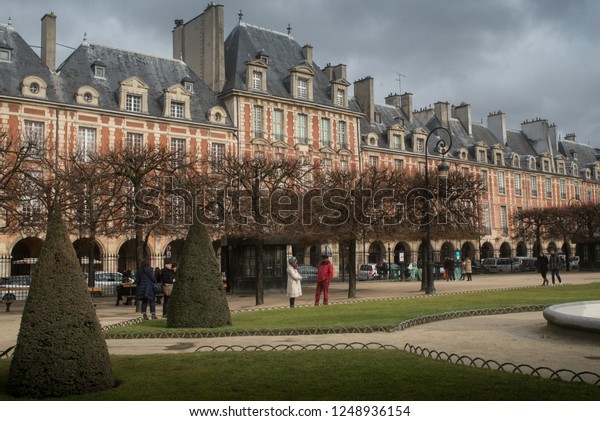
(463, 114)
(307, 51)
(364, 93)
(571, 137)
(442, 112)
(496, 123)
(49, 40)
(200, 43)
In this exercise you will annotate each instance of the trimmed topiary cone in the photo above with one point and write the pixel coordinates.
(198, 298)
(61, 349)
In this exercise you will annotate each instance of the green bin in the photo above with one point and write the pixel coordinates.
(394, 273)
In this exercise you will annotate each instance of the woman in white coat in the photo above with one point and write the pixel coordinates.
(294, 287)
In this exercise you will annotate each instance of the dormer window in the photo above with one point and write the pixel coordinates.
(86, 95)
(516, 161)
(33, 86)
(498, 158)
(177, 102)
(99, 69)
(188, 84)
(481, 155)
(5, 54)
(546, 165)
(532, 163)
(257, 80)
(256, 75)
(561, 167)
(301, 82)
(464, 155)
(133, 94)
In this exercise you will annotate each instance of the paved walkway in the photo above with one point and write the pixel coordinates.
(521, 338)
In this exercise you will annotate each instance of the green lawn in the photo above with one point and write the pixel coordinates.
(380, 375)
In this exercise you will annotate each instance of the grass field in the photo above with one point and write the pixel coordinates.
(380, 375)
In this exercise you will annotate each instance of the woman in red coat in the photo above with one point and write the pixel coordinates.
(324, 275)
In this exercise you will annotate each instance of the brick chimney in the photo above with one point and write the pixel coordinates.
(200, 43)
(49, 40)
(364, 93)
(571, 137)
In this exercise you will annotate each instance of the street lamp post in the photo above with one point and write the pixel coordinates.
(442, 147)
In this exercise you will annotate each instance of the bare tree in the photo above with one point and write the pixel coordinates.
(533, 225)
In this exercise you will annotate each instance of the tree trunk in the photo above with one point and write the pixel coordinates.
(91, 259)
(352, 268)
(260, 272)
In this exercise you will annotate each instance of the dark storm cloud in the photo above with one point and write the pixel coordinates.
(528, 58)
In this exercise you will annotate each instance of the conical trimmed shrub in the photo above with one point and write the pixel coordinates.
(61, 349)
(198, 298)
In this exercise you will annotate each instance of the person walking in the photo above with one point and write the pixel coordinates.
(468, 268)
(167, 277)
(324, 276)
(146, 284)
(542, 266)
(554, 264)
(294, 286)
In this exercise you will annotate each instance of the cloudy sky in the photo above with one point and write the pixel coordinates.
(528, 58)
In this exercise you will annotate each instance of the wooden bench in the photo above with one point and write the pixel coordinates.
(126, 291)
(95, 291)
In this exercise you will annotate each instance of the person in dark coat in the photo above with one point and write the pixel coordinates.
(554, 264)
(542, 267)
(167, 277)
(145, 288)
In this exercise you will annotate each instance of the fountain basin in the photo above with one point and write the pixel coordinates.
(581, 315)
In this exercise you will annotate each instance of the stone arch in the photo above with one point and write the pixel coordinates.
(505, 250)
(127, 253)
(82, 249)
(487, 250)
(174, 248)
(467, 250)
(376, 252)
(24, 254)
(403, 248)
(447, 250)
(521, 249)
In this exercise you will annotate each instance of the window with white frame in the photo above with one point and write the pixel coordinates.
(577, 190)
(504, 220)
(484, 180)
(133, 103)
(257, 80)
(548, 188)
(86, 143)
(177, 109)
(487, 220)
(344, 165)
(399, 165)
(326, 164)
(501, 183)
(533, 186)
(34, 137)
(278, 124)
(217, 155)
(546, 165)
(342, 134)
(420, 145)
(325, 132)
(396, 141)
(340, 97)
(498, 158)
(189, 86)
(5, 54)
(481, 155)
(302, 88)
(588, 195)
(302, 128)
(563, 189)
(177, 152)
(561, 168)
(373, 161)
(518, 185)
(134, 141)
(257, 121)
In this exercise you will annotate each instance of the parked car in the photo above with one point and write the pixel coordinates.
(496, 265)
(309, 272)
(478, 268)
(367, 272)
(523, 264)
(107, 281)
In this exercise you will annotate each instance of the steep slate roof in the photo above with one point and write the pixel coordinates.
(246, 41)
(584, 154)
(157, 73)
(24, 62)
(390, 115)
